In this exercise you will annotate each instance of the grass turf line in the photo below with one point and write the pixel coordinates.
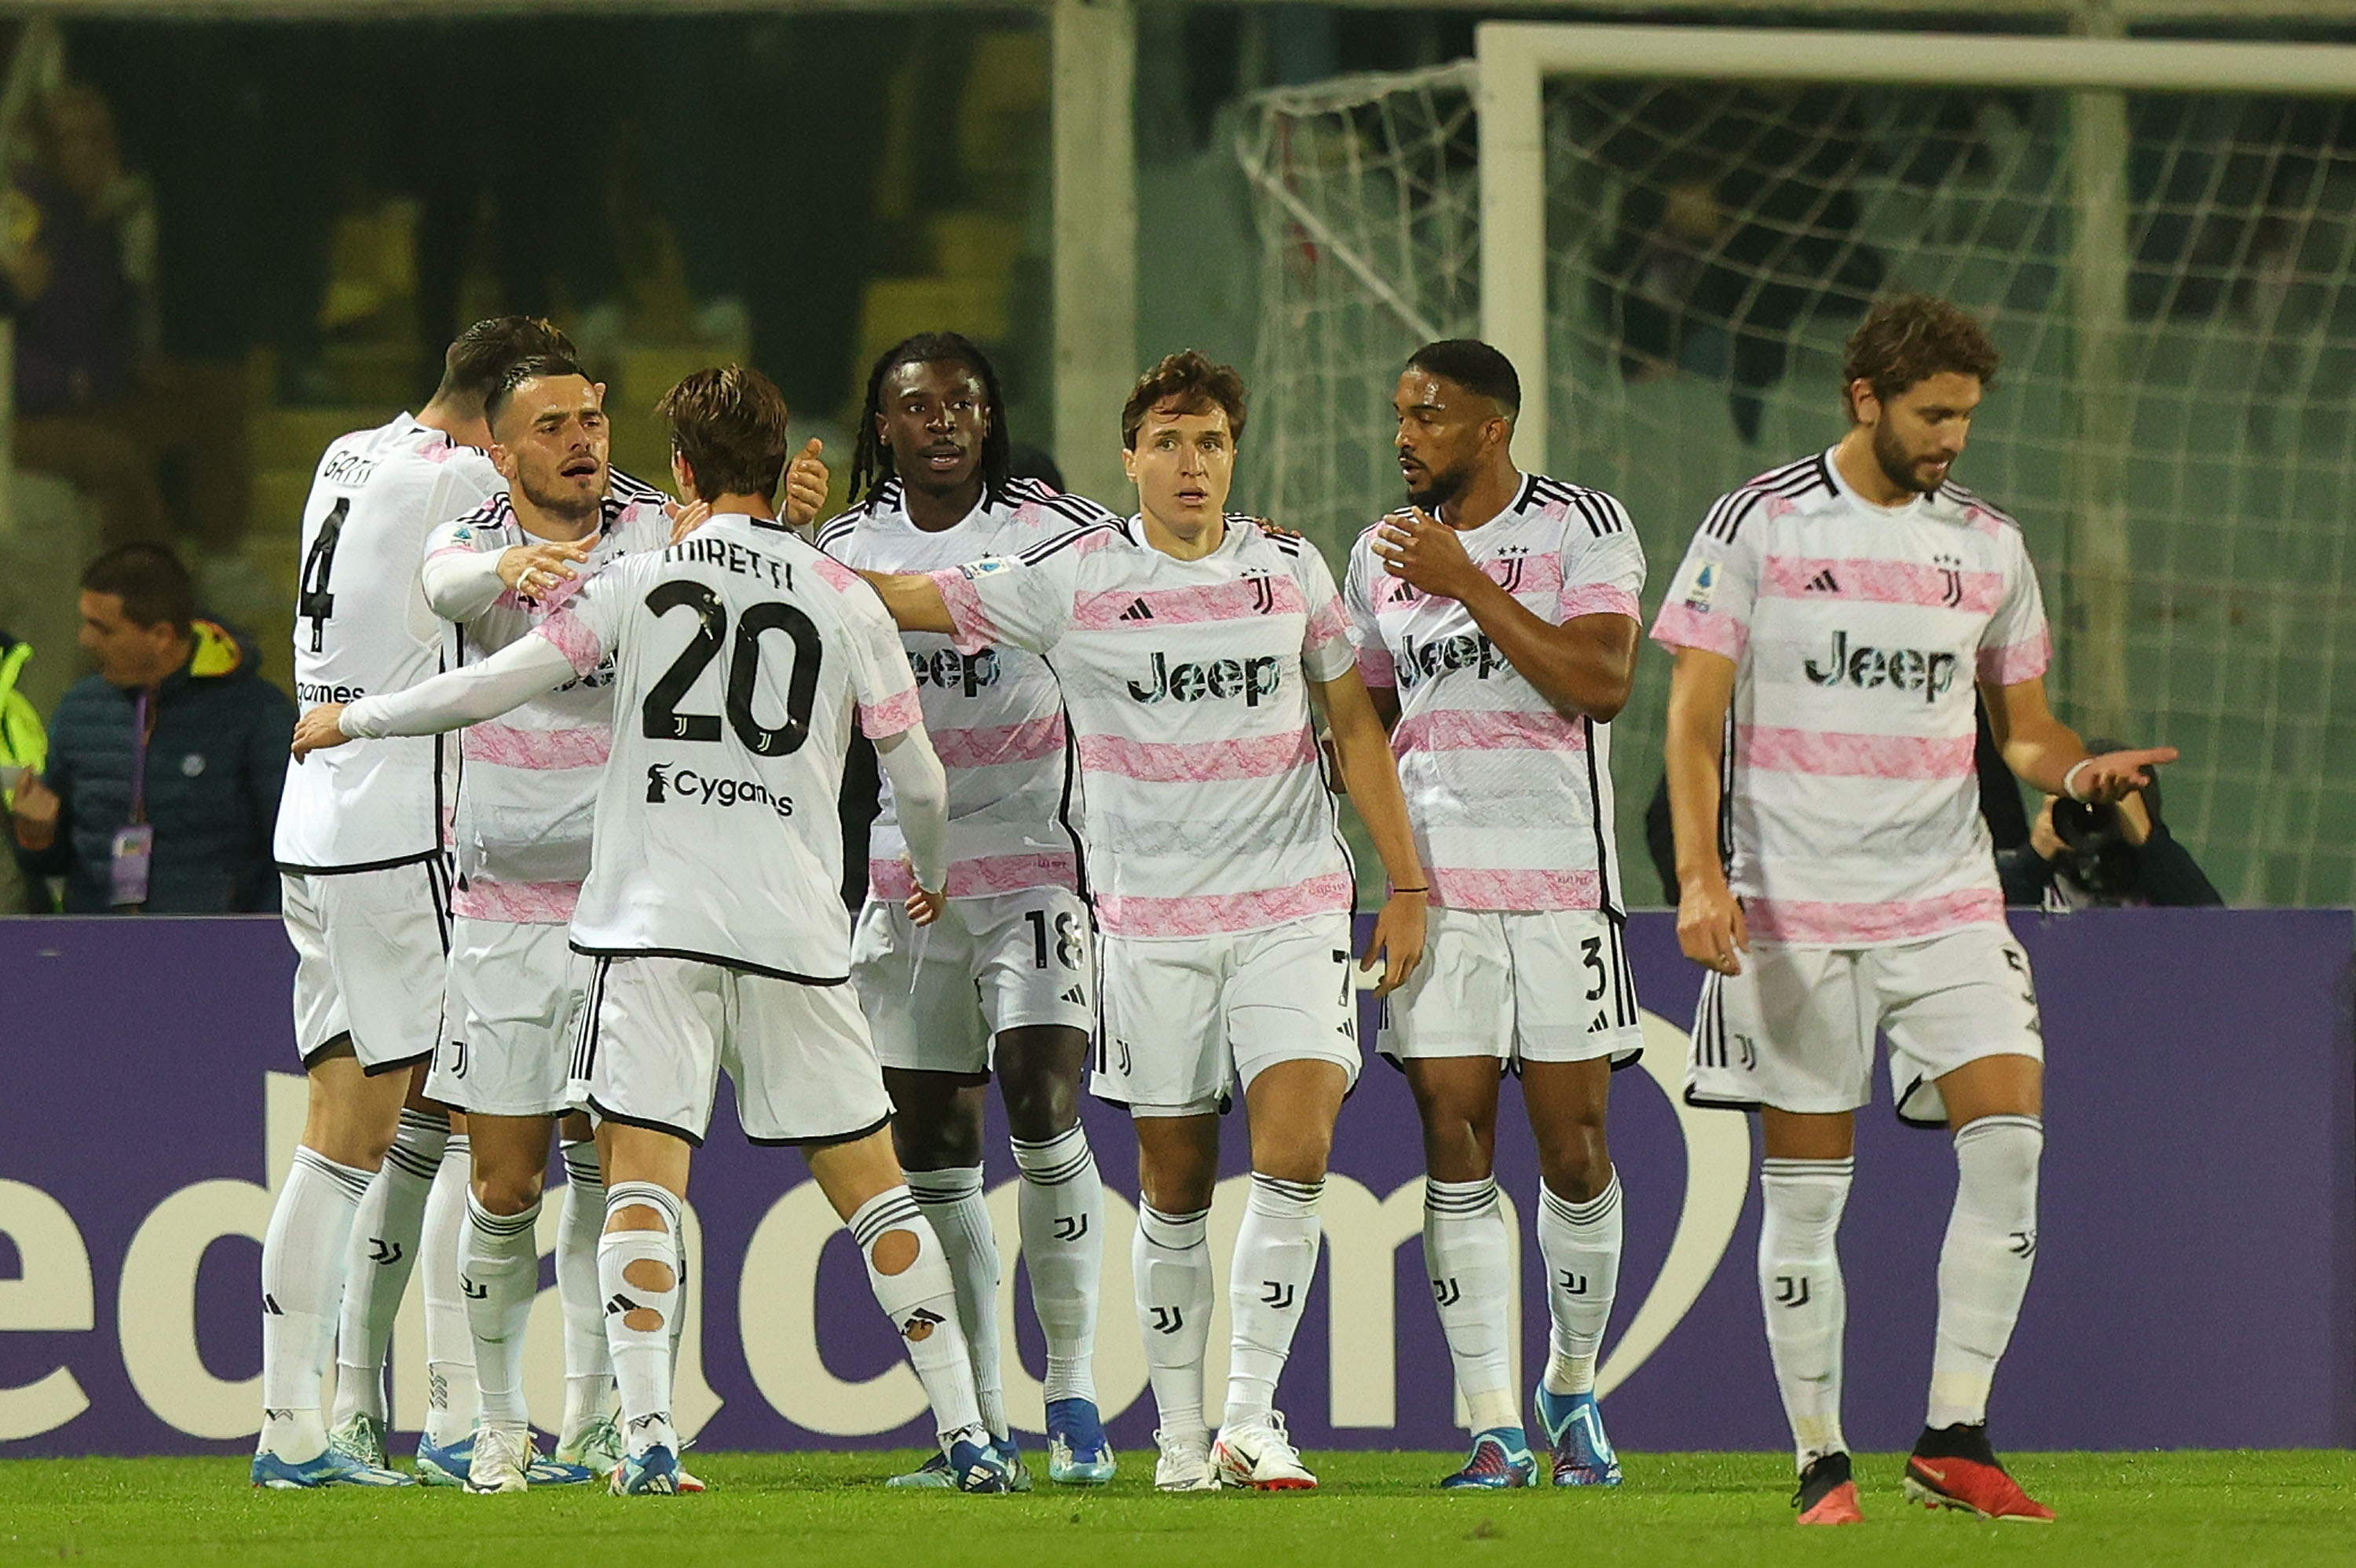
(2241, 1509)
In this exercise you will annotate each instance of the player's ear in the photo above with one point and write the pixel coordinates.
(1128, 463)
(1864, 407)
(503, 460)
(682, 473)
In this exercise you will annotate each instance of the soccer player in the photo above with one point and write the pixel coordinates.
(1498, 630)
(359, 851)
(741, 657)
(1003, 988)
(1191, 648)
(1830, 622)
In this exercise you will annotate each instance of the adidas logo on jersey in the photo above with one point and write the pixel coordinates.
(1139, 610)
(1824, 582)
(1928, 671)
(1076, 996)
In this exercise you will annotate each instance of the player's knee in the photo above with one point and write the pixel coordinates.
(1575, 1160)
(507, 1191)
(1297, 1154)
(1039, 1107)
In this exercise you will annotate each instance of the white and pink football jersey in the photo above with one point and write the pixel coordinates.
(362, 628)
(1206, 808)
(1510, 798)
(527, 791)
(1852, 808)
(995, 715)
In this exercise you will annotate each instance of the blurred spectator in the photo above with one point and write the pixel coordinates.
(161, 789)
(23, 747)
(2080, 855)
(97, 403)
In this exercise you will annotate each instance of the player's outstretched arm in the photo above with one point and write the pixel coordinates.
(1363, 750)
(2047, 754)
(920, 796)
(914, 601)
(508, 679)
(1586, 664)
(461, 583)
(1710, 929)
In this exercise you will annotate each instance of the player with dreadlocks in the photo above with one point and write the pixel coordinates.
(1001, 985)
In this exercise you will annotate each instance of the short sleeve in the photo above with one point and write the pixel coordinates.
(1374, 664)
(1602, 573)
(1710, 602)
(2016, 644)
(1023, 602)
(880, 676)
(1326, 648)
(589, 627)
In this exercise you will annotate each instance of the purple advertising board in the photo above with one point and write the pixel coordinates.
(2201, 1147)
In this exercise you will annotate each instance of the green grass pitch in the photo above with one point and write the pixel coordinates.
(2240, 1509)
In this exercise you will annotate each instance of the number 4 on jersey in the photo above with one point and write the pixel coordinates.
(313, 600)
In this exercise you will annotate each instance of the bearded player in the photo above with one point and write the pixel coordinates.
(1002, 986)
(1498, 629)
(1831, 621)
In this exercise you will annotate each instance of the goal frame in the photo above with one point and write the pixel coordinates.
(1514, 59)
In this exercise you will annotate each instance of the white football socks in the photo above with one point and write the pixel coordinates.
(305, 1255)
(1170, 1264)
(450, 1398)
(498, 1264)
(952, 1201)
(638, 1276)
(1061, 1206)
(384, 1244)
(1801, 1292)
(1467, 1255)
(919, 1294)
(1985, 1263)
(588, 1370)
(1580, 1244)
(1268, 1289)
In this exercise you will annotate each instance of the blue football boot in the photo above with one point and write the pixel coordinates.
(331, 1468)
(1574, 1429)
(1501, 1458)
(1078, 1453)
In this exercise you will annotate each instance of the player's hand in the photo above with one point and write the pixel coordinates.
(805, 486)
(1710, 928)
(1397, 937)
(1425, 553)
(36, 810)
(531, 570)
(319, 729)
(686, 519)
(925, 907)
(2114, 776)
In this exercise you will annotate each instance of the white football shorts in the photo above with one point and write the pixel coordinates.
(991, 962)
(515, 992)
(369, 950)
(1184, 1021)
(1520, 985)
(657, 1032)
(1794, 1030)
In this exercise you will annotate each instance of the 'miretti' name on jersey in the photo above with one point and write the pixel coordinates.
(1510, 798)
(995, 714)
(1851, 793)
(362, 626)
(526, 788)
(740, 656)
(1186, 686)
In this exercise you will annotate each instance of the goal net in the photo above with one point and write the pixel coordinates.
(1710, 245)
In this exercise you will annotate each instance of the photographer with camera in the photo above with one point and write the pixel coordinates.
(2081, 856)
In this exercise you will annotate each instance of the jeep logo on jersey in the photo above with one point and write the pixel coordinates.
(953, 671)
(1901, 670)
(1419, 662)
(667, 783)
(1250, 679)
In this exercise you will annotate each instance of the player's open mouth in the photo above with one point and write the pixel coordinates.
(580, 468)
(1194, 496)
(944, 457)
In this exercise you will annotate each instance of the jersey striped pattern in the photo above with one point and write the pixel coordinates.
(995, 716)
(526, 799)
(1510, 798)
(1184, 685)
(1859, 632)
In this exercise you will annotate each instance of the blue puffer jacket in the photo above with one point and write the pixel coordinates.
(214, 772)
